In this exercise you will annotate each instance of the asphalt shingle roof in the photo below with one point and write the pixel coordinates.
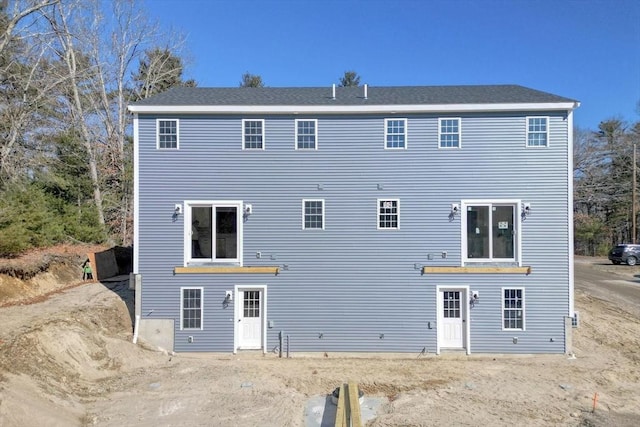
(322, 96)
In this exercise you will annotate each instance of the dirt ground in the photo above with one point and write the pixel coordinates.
(67, 360)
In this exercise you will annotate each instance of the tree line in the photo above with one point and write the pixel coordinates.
(603, 176)
(68, 70)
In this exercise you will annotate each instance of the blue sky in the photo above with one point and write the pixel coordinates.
(588, 50)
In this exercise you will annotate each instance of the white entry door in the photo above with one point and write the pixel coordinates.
(250, 319)
(452, 315)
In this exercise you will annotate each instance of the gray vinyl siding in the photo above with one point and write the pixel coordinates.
(351, 282)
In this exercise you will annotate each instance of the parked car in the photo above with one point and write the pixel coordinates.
(625, 253)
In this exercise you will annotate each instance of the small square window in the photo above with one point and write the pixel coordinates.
(449, 133)
(395, 133)
(313, 214)
(306, 134)
(388, 214)
(537, 131)
(167, 134)
(253, 134)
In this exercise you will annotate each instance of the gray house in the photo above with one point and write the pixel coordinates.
(359, 219)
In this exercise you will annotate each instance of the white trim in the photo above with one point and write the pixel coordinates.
(236, 313)
(355, 109)
(378, 213)
(136, 194)
(548, 125)
(502, 308)
(459, 119)
(386, 133)
(517, 229)
(188, 204)
(182, 289)
(177, 147)
(464, 302)
(304, 212)
(570, 208)
(315, 135)
(264, 142)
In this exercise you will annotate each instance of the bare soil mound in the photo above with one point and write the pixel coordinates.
(68, 360)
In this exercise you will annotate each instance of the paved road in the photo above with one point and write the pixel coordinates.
(620, 285)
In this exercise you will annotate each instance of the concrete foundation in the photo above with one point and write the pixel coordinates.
(157, 332)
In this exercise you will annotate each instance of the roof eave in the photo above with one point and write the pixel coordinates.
(353, 109)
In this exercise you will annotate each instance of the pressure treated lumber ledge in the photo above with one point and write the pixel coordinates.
(477, 270)
(202, 269)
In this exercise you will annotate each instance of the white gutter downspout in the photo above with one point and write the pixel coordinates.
(570, 204)
(136, 227)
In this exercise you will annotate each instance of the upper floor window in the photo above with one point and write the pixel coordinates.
(449, 133)
(490, 231)
(213, 232)
(395, 133)
(306, 134)
(513, 308)
(537, 131)
(388, 214)
(313, 214)
(252, 134)
(167, 134)
(191, 308)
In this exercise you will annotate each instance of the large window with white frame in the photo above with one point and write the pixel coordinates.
(449, 132)
(313, 214)
(388, 214)
(395, 133)
(513, 309)
(490, 231)
(167, 134)
(306, 134)
(537, 131)
(213, 232)
(253, 134)
(191, 308)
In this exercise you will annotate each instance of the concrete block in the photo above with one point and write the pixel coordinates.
(157, 332)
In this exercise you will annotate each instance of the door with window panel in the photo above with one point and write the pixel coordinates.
(452, 318)
(250, 319)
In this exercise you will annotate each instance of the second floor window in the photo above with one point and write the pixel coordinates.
(395, 133)
(490, 232)
(306, 134)
(215, 232)
(253, 134)
(537, 131)
(388, 214)
(167, 136)
(313, 214)
(449, 133)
